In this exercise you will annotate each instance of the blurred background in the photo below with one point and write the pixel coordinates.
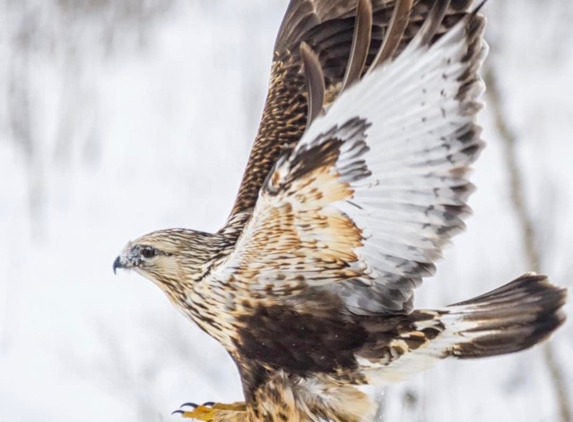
(119, 117)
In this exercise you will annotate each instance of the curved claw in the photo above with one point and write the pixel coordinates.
(208, 403)
(190, 404)
(180, 412)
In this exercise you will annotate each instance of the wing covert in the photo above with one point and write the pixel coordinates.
(365, 202)
(327, 27)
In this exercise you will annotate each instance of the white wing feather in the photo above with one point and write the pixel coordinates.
(420, 135)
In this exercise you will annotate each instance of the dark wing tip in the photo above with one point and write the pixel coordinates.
(360, 43)
(314, 82)
(396, 28)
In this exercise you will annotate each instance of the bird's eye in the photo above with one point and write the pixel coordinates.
(148, 252)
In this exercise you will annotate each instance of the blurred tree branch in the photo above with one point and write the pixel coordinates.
(21, 113)
(529, 236)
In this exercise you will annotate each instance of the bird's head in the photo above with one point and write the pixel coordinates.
(173, 259)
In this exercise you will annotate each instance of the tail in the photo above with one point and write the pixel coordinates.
(506, 320)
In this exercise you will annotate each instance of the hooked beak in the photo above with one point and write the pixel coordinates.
(118, 263)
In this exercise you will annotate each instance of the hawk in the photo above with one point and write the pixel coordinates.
(357, 179)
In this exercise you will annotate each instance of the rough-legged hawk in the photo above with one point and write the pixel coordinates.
(357, 179)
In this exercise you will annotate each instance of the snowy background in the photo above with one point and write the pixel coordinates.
(119, 117)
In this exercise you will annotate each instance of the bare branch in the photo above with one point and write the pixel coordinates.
(529, 241)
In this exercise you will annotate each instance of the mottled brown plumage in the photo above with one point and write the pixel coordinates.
(327, 27)
(356, 181)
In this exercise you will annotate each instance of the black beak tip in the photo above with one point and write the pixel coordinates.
(117, 264)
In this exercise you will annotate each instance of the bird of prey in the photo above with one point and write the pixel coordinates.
(357, 179)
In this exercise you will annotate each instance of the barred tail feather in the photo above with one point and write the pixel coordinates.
(509, 319)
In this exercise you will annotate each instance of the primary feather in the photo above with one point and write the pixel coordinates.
(376, 187)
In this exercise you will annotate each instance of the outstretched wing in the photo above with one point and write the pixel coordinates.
(367, 199)
(328, 28)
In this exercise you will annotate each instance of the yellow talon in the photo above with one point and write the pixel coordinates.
(216, 412)
(200, 413)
